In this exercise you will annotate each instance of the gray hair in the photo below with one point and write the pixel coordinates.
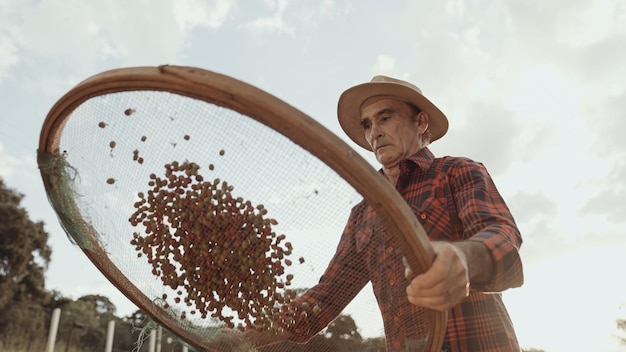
(424, 138)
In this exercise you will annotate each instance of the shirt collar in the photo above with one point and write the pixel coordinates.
(422, 159)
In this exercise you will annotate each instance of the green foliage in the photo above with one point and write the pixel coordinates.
(24, 319)
(24, 252)
(24, 256)
(343, 328)
(341, 336)
(621, 324)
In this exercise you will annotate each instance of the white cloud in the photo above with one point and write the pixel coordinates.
(605, 120)
(274, 23)
(385, 65)
(327, 8)
(11, 166)
(85, 35)
(588, 22)
(197, 13)
(544, 93)
(455, 7)
(9, 55)
(9, 35)
(608, 203)
(320, 14)
(485, 126)
(560, 282)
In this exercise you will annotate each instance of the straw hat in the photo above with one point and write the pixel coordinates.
(352, 101)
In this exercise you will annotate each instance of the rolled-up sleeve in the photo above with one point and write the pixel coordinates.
(486, 218)
(341, 282)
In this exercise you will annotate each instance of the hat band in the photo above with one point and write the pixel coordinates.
(375, 98)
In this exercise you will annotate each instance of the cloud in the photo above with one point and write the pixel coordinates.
(9, 55)
(197, 13)
(328, 8)
(11, 166)
(9, 36)
(385, 65)
(585, 38)
(588, 22)
(317, 14)
(482, 130)
(609, 202)
(274, 23)
(86, 35)
(532, 206)
(606, 121)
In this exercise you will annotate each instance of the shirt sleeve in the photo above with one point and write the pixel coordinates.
(343, 279)
(486, 218)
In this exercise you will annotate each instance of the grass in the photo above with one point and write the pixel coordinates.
(18, 344)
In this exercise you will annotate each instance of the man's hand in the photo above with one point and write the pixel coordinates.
(447, 281)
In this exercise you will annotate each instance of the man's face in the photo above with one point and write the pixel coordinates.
(391, 130)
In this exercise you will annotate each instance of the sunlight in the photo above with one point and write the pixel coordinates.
(570, 302)
(544, 94)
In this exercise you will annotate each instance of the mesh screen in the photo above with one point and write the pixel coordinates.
(218, 220)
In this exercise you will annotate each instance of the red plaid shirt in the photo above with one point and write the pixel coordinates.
(455, 199)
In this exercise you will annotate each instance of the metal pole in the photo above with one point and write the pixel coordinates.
(110, 332)
(75, 325)
(152, 341)
(69, 339)
(158, 339)
(54, 327)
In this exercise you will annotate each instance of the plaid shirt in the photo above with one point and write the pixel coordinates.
(455, 199)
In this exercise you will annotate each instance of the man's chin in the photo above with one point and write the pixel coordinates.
(383, 158)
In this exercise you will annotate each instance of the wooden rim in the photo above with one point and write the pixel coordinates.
(236, 95)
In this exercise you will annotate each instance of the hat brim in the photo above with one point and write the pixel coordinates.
(350, 102)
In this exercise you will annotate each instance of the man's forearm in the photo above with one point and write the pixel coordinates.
(479, 261)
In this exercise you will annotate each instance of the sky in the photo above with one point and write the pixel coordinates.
(533, 89)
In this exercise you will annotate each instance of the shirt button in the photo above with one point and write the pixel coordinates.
(423, 216)
(390, 250)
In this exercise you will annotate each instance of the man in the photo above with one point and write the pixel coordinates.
(474, 236)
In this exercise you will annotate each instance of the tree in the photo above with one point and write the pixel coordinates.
(340, 336)
(24, 251)
(621, 324)
(343, 328)
(84, 321)
(24, 257)
(101, 305)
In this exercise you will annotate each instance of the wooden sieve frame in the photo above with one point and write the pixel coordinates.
(267, 109)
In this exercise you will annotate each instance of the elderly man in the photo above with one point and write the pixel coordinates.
(474, 236)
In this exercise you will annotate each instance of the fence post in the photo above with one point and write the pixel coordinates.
(54, 327)
(152, 340)
(158, 339)
(110, 332)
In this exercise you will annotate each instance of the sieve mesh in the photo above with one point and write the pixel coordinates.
(207, 218)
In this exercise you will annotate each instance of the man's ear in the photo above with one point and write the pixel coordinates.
(422, 122)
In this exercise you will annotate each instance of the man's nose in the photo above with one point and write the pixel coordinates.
(375, 133)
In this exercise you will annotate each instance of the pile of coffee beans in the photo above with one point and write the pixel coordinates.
(216, 251)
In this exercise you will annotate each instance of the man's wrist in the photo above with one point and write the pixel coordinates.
(478, 260)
